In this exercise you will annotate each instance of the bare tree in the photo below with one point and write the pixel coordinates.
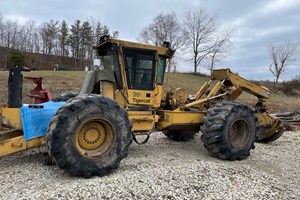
(36, 40)
(1, 29)
(221, 48)
(26, 43)
(165, 27)
(201, 36)
(49, 32)
(10, 33)
(281, 56)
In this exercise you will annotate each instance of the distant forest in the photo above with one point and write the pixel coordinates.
(50, 44)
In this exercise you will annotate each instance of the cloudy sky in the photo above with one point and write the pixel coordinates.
(259, 22)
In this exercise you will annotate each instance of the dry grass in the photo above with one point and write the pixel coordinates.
(55, 81)
(190, 82)
(277, 103)
(61, 81)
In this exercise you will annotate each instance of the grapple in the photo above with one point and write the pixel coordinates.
(270, 131)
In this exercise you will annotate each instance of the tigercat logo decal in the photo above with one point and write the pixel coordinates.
(135, 100)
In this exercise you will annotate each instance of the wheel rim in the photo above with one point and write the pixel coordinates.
(239, 133)
(94, 137)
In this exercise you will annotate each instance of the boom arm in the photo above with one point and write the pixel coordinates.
(231, 79)
(234, 85)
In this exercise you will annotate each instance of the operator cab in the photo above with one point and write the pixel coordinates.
(138, 69)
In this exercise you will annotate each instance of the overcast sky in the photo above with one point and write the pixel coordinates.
(259, 22)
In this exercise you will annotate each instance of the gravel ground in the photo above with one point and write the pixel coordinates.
(163, 169)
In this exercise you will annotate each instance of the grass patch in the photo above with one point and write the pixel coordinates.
(190, 82)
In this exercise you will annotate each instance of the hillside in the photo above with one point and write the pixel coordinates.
(42, 61)
(62, 81)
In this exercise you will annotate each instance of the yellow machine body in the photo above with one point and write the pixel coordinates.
(155, 109)
(11, 117)
(11, 133)
(137, 85)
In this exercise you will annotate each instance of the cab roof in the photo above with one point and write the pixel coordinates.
(162, 51)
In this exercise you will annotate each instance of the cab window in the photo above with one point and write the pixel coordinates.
(109, 60)
(161, 68)
(140, 68)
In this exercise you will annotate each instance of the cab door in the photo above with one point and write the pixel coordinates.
(140, 67)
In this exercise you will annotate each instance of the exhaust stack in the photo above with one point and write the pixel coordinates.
(15, 85)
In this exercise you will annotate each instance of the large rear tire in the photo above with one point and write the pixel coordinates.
(229, 131)
(89, 136)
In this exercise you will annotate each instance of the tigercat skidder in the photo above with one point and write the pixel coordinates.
(90, 134)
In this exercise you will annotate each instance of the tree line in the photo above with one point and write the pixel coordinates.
(54, 37)
(197, 36)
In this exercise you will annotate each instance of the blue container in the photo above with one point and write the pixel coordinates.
(36, 117)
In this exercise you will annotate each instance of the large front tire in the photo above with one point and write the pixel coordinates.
(89, 136)
(229, 131)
